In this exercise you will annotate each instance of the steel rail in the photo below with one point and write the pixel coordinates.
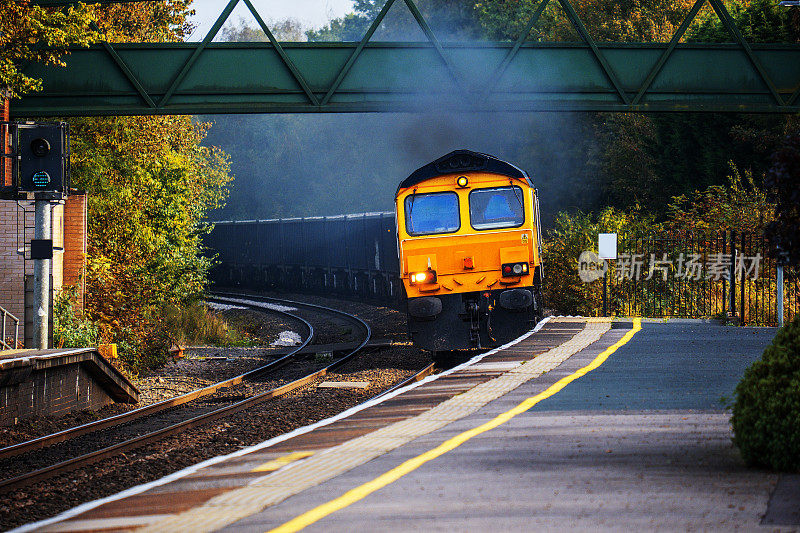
(97, 425)
(422, 374)
(86, 459)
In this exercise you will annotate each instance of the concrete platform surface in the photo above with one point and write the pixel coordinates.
(642, 442)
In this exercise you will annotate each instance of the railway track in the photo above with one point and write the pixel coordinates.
(121, 433)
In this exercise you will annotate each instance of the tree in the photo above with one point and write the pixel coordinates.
(288, 30)
(741, 206)
(648, 159)
(150, 184)
(784, 178)
(30, 33)
(448, 19)
(605, 20)
(164, 21)
(760, 21)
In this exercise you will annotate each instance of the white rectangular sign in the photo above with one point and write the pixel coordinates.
(607, 245)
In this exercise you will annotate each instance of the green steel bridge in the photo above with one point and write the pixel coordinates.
(372, 76)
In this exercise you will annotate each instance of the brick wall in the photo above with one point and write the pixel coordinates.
(13, 235)
(11, 263)
(53, 392)
(75, 242)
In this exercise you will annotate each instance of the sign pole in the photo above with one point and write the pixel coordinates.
(606, 249)
(605, 292)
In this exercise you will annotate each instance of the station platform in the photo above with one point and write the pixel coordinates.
(54, 382)
(583, 424)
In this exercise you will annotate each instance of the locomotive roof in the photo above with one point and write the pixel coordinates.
(464, 161)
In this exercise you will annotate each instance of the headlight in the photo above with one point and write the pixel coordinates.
(515, 269)
(429, 276)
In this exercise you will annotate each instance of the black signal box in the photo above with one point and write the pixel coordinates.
(42, 152)
(41, 249)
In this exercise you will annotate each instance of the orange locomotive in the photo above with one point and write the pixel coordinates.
(469, 246)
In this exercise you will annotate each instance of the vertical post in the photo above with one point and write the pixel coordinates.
(741, 286)
(605, 292)
(733, 274)
(41, 279)
(724, 281)
(779, 293)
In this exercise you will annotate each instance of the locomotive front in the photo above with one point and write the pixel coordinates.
(469, 248)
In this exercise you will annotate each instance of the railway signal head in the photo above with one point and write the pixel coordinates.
(42, 158)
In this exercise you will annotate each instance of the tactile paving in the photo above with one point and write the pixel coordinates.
(270, 489)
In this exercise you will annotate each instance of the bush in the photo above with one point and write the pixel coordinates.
(71, 329)
(564, 292)
(766, 415)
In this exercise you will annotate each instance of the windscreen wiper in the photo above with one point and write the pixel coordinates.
(514, 190)
(411, 209)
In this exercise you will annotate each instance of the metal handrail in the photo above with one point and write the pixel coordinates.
(3, 344)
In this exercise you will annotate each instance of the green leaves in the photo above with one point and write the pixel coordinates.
(572, 234)
(150, 184)
(32, 33)
(766, 415)
(71, 329)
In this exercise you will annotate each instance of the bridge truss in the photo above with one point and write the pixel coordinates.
(370, 76)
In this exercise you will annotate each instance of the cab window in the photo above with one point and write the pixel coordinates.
(432, 213)
(498, 207)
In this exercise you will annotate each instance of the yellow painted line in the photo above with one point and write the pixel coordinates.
(352, 496)
(282, 461)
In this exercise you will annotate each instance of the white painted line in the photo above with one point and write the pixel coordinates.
(75, 511)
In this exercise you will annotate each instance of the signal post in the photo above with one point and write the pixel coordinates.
(40, 172)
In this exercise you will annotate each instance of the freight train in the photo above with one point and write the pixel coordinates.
(461, 254)
(351, 256)
(469, 252)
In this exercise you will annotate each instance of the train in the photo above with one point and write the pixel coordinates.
(348, 256)
(469, 245)
(461, 254)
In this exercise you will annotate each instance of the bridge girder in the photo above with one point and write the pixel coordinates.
(273, 77)
(253, 78)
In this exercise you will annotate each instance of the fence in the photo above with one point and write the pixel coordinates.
(717, 275)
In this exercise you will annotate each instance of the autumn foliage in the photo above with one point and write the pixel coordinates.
(150, 181)
(150, 184)
(23, 25)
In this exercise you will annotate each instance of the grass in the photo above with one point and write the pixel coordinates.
(196, 324)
